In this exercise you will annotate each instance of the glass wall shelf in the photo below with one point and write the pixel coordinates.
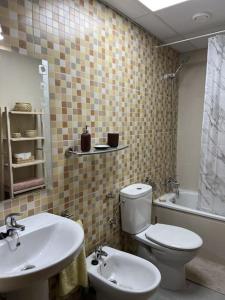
(70, 151)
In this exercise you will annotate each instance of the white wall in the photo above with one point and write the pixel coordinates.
(19, 80)
(190, 111)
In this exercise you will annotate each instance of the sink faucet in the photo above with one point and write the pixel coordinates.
(99, 252)
(11, 223)
(173, 185)
(12, 227)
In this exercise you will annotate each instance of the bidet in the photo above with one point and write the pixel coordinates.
(122, 276)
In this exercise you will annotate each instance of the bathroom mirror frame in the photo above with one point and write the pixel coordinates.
(45, 107)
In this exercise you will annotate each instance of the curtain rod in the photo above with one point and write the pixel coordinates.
(190, 39)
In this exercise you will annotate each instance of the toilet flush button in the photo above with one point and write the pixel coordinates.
(139, 188)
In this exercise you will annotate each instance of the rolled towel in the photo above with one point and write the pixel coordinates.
(27, 184)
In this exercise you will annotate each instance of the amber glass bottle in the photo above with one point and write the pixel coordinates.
(85, 141)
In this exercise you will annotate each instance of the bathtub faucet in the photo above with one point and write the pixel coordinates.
(173, 185)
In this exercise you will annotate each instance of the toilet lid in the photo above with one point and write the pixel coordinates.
(173, 237)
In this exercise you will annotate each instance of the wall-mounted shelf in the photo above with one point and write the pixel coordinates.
(70, 151)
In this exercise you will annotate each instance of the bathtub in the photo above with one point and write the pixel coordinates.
(182, 211)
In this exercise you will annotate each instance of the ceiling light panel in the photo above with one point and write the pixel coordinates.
(155, 5)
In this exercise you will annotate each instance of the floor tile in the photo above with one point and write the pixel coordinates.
(192, 292)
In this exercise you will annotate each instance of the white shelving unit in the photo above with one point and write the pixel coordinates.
(10, 142)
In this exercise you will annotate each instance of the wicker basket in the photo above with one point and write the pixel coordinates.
(16, 135)
(23, 106)
(30, 133)
(22, 161)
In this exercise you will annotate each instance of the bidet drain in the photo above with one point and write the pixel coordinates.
(28, 267)
(113, 281)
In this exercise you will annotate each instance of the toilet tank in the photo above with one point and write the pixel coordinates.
(136, 207)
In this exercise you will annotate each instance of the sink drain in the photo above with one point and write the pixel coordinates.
(28, 267)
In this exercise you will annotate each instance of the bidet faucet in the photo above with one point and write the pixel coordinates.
(99, 252)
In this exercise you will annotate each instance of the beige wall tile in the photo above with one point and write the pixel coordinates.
(105, 73)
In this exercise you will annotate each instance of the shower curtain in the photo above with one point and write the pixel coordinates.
(212, 164)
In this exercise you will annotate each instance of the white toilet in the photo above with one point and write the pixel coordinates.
(168, 247)
(122, 276)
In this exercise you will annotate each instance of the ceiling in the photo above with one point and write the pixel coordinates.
(175, 22)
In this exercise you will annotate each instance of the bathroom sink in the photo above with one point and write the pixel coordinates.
(47, 245)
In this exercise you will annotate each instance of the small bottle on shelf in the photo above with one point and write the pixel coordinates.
(85, 140)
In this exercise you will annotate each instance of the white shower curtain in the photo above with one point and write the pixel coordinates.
(212, 165)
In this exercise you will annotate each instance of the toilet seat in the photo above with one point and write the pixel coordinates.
(173, 237)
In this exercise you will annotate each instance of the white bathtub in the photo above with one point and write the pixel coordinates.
(187, 201)
(183, 212)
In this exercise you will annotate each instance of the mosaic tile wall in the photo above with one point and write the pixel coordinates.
(104, 73)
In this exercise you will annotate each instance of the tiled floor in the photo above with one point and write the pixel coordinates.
(192, 292)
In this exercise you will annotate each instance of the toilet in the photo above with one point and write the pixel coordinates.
(122, 276)
(168, 247)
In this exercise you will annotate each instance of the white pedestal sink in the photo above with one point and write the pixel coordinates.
(48, 244)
